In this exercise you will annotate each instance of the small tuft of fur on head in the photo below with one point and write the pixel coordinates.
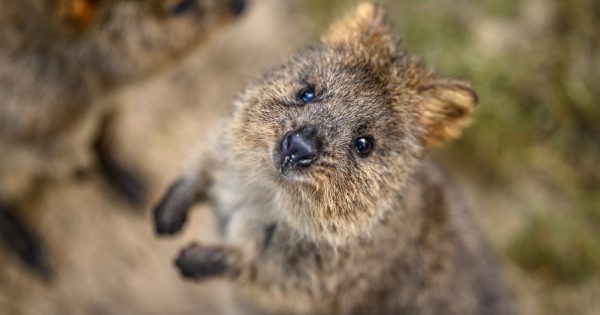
(446, 109)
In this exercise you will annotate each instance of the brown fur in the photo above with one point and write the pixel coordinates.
(58, 61)
(379, 234)
(59, 57)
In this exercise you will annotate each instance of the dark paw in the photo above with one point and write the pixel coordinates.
(127, 183)
(197, 262)
(171, 212)
(22, 242)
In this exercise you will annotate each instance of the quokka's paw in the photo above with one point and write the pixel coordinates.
(126, 182)
(18, 239)
(171, 212)
(198, 262)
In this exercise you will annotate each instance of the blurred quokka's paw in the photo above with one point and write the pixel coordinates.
(171, 212)
(18, 239)
(198, 262)
(127, 183)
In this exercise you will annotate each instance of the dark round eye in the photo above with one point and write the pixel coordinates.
(307, 94)
(183, 6)
(363, 145)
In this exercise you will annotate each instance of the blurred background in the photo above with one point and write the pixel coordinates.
(529, 164)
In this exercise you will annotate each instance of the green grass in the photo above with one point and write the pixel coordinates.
(561, 249)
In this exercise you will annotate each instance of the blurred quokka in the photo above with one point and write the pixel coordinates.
(328, 201)
(57, 59)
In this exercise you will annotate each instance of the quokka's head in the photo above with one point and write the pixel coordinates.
(131, 36)
(336, 132)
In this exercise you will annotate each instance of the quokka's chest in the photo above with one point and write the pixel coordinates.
(240, 207)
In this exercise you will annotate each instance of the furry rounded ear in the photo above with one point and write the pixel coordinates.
(78, 14)
(366, 25)
(446, 109)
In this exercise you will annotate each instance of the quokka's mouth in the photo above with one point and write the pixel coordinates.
(285, 168)
(284, 165)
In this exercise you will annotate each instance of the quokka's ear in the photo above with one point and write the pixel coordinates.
(366, 25)
(446, 109)
(77, 15)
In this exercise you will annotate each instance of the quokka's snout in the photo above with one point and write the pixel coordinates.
(300, 148)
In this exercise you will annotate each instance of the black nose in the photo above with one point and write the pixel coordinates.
(238, 6)
(300, 147)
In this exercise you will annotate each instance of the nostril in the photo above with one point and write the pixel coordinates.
(286, 144)
(238, 6)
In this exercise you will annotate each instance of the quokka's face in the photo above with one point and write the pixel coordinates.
(336, 133)
(327, 131)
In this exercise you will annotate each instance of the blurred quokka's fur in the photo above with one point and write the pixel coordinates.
(328, 202)
(58, 58)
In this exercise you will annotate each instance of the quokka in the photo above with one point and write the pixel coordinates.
(328, 202)
(58, 58)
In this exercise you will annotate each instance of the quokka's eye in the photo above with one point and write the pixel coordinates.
(307, 94)
(183, 7)
(364, 145)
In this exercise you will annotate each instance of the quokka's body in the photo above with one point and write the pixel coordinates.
(328, 203)
(58, 60)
